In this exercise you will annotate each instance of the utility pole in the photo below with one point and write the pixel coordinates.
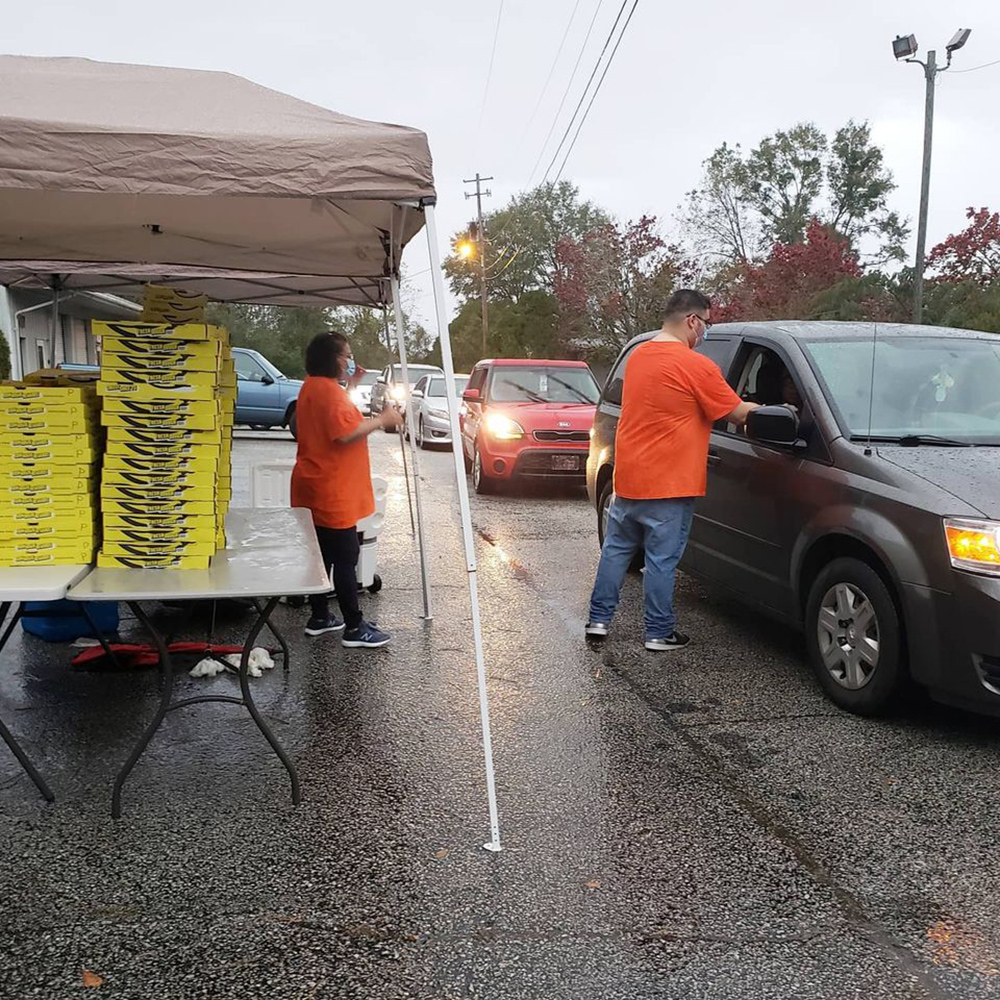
(905, 48)
(481, 240)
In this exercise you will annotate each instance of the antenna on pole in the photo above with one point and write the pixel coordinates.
(871, 392)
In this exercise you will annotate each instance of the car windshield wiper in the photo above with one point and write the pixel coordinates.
(572, 388)
(533, 396)
(912, 440)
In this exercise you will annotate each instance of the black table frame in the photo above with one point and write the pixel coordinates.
(167, 703)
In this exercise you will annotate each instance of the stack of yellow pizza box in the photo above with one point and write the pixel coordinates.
(50, 448)
(168, 392)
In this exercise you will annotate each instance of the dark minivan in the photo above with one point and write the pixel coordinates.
(873, 520)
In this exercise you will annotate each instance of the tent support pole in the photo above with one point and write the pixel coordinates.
(54, 326)
(463, 503)
(415, 462)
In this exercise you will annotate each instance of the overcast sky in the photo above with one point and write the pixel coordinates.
(686, 78)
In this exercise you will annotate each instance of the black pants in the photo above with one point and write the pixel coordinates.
(340, 550)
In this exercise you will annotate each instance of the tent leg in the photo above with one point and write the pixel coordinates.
(401, 344)
(54, 326)
(406, 479)
(463, 502)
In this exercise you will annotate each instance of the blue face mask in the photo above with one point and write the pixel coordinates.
(350, 368)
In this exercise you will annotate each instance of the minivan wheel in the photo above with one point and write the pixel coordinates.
(603, 511)
(855, 637)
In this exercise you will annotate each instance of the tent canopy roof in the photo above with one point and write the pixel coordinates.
(200, 175)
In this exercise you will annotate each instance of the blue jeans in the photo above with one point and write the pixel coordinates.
(661, 529)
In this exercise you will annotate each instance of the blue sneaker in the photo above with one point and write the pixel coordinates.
(367, 635)
(320, 626)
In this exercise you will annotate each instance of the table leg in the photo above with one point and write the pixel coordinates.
(167, 666)
(274, 631)
(5, 733)
(262, 619)
(99, 635)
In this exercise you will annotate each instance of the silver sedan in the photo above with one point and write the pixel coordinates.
(430, 409)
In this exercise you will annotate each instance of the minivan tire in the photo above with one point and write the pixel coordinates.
(607, 495)
(882, 689)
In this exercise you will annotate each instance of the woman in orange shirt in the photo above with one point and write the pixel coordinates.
(332, 477)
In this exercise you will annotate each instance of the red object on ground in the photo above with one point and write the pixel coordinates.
(132, 654)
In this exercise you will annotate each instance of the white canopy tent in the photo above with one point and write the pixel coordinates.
(113, 176)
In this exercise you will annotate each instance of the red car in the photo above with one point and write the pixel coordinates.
(527, 418)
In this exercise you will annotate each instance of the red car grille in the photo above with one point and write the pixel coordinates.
(562, 435)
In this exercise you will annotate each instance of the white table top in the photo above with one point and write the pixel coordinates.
(38, 583)
(271, 552)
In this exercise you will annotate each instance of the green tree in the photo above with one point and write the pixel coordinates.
(4, 358)
(521, 242)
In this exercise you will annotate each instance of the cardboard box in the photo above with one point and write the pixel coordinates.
(55, 421)
(169, 451)
(157, 550)
(63, 521)
(150, 493)
(169, 389)
(64, 478)
(163, 407)
(179, 425)
(197, 528)
(11, 455)
(153, 562)
(160, 481)
(157, 375)
(161, 331)
(15, 499)
(154, 508)
(27, 552)
(206, 460)
(177, 436)
(17, 392)
(48, 527)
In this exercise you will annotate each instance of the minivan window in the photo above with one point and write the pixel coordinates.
(719, 349)
(543, 384)
(944, 386)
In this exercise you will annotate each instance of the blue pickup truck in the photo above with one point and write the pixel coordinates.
(265, 397)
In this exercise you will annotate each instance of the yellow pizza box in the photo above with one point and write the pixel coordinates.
(152, 292)
(61, 378)
(200, 351)
(176, 362)
(172, 310)
(54, 422)
(220, 540)
(201, 456)
(176, 423)
(184, 464)
(151, 491)
(12, 455)
(153, 562)
(48, 527)
(61, 520)
(17, 392)
(198, 527)
(81, 551)
(157, 375)
(165, 389)
(63, 478)
(19, 498)
(145, 550)
(163, 407)
(160, 331)
(226, 392)
(47, 559)
(159, 480)
(151, 537)
(153, 508)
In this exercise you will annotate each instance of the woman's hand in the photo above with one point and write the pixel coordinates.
(390, 419)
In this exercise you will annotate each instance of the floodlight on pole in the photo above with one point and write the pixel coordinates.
(905, 47)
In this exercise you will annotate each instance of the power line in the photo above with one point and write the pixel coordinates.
(552, 69)
(596, 90)
(572, 77)
(996, 62)
(489, 72)
(583, 96)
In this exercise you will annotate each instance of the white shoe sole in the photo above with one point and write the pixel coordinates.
(324, 631)
(595, 634)
(665, 649)
(358, 644)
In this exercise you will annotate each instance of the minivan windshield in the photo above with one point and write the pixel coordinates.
(543, 384)
(946, 387)
(435, 387)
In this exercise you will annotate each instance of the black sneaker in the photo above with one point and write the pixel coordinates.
(596, 630)
(676, 640)
(320, 626)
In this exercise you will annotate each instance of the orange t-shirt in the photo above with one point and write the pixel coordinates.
(671, 397)
(333, 480)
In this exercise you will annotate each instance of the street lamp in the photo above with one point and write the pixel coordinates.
(905, 47)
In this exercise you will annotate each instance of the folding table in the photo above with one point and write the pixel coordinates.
(270, 553)
(20, 584)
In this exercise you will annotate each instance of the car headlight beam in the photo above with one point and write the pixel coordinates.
(503, 428)
(973, 545)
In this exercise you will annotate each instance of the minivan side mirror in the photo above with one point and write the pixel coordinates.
(266, 379)
(471, 395)
(773, 425)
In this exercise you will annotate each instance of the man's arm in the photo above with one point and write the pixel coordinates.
(740, 414)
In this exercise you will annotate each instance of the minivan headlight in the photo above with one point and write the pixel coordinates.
(973, 545)
(503, 428)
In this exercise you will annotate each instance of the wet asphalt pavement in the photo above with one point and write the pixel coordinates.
(698, 824)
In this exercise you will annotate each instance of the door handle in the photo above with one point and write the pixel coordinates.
(714, 458)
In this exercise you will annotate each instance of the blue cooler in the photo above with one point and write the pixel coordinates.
(63, 621)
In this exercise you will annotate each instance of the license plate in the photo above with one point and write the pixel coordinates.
(565, 463)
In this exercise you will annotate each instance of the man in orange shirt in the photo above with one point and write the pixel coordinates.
(670, 399)
(332, 477)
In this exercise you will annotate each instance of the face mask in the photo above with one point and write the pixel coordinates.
(350, 368)
(699, 336)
